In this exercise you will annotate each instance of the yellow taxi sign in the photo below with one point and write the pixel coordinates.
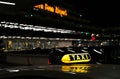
(76, 58)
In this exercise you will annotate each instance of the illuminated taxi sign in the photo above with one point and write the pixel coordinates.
(76, 58)
(53, 9)
(76, 68)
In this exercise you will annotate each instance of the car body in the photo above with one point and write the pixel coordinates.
(88, 55)
(72, 55)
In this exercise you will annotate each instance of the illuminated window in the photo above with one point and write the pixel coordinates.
(9, 44)
(26, 44)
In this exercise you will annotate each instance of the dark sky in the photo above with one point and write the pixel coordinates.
(100, 12)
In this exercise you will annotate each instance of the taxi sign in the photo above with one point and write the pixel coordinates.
(76, 58)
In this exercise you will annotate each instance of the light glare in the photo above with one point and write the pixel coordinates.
(8, 3)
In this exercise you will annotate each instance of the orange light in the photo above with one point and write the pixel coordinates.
(39, 6)
(49, 8)
(60, 11)
(55, 9)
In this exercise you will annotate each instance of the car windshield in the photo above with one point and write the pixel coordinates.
(69, 36)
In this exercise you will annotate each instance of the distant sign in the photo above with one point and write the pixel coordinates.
(54, 9)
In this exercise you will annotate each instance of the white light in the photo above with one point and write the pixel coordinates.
(71, 50)
(13, 70)
(97, 51)
(84, 50)
(3, 22)
(42, 38)
(14, 37)
(71, 72)
(6, 26)
(57, 38)
(9, 36)
(15, 26)
(81, 15)
(60, 50)
(22, 37)
(8, 3)
(26, 28)
(18, 37)
(10, 22)
(34, 28)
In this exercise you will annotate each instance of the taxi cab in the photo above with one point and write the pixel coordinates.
(72, 55)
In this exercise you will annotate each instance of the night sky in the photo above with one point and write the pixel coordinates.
(100, 12)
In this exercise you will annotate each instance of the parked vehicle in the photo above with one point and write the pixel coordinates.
(92, 55)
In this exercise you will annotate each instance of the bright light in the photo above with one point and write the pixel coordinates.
(34, 28)
(8, 3)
